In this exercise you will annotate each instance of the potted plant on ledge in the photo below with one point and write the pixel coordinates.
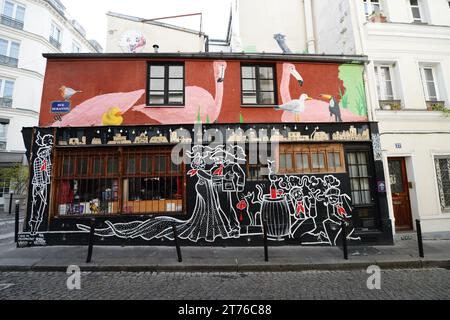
(17, 176)
(377, 16)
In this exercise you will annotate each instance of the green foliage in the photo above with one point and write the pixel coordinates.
(440, 107)
(354, 98)
(17, 176)
(199, 117)
(344, 99)
(241, 118)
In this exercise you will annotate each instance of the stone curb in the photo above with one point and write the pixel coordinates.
(415, 264)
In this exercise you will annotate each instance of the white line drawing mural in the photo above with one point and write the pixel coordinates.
(42, 171)
(309, 208)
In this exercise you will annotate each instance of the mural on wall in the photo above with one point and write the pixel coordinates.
(309, 208)
(132, 41)
(350, 108)
(67, 93)
(41, 179)
(200, 105)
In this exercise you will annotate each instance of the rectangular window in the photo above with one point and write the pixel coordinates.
(416, 11)
(76, 47)
(3, 133)
(301, 158)
(55, 33)
(9, 52)
(136, 181)
(358, 169)
(258, 85)
(14, 11)
(166, 85)
(443, 179)
(6, 93)
(385, 85)
(371, 6)
(429, 83)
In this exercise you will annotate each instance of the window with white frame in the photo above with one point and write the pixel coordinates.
(3, 133)
(430, 87)
(385, 83)
(14, 11)
(76, 48)
(9, 48)
(443, 180)
(55, 33)
(6, 93)
(416, 11)
(371, 6)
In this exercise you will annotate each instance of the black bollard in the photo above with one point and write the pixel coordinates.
(266, 248)
(419, 238)
(91, 241)
(177, 245)
(16, 229)
(10, 203)
(344, 240)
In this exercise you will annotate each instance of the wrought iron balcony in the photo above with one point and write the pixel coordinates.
(6, 102)
(55, 42)
(10, 22)
(9, 61)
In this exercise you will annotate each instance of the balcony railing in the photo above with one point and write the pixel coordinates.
(390, 104)
(55, 42)
(9, 61)
(6, 102)
(10, 22)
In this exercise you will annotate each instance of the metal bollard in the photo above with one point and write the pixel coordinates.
(419, 238)
(16, 227)
(10, 203)
(91, 241)
(266, 248)
(177, 245)
(344, 240)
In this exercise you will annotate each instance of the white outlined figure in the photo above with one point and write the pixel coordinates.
(42, 169)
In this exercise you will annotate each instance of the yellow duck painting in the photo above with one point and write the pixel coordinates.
(113, 117)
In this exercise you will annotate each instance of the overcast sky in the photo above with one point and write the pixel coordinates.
(91, 14)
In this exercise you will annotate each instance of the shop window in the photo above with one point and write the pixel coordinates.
(358, 169)
(258, 85)
(165, 85)
(301, 158)
(108, 182)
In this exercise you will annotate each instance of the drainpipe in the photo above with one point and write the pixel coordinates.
(310, 39)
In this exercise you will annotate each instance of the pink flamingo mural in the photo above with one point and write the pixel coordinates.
(91, 112)
(313, 110)
(198, 102)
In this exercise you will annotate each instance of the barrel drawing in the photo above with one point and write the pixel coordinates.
(276, 214)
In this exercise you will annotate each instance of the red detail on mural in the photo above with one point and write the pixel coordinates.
(219, 171)
(192, 172)
(300, 208)
(242, 205)
(241, 218)
(44, 166)
(341, 211)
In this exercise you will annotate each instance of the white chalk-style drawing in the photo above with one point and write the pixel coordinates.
(305, 207)
(42, 171)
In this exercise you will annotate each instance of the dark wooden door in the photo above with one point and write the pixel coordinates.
(400, 194)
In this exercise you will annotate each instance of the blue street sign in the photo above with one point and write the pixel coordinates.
(60, 106)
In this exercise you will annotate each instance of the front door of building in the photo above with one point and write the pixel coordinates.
(400, 194)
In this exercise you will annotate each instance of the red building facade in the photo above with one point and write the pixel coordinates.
(109, 125)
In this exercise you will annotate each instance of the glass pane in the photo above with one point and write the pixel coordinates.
(8, 9)
(98, 166)
(176, 84)
(414, 2)
(321, 161)
(282, 161)
(331, 163)
(416, 13)
(8, 90)
(176, 72)
(363, 171)
(248, 72)
(156, 84)
(20, 13)
(131, 166)
(14, 51)
(301, 161)
(3, 47)
(249, 97)
(249, 85)
(266, 85)
(157, 72)
(431, 90)
(428, 74)
(355, 184)
(396, 176)
(156, 97)
(267, 98)
(353, 171)
(362, 159)
(113, 165)
(146, 164)
(175, 97)
(266, 73)
(160, 163)
(337, 159)
(289, 161)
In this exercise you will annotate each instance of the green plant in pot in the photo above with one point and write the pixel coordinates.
(441, 108)
(17, 179)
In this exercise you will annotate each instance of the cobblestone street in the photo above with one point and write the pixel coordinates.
(395, 284)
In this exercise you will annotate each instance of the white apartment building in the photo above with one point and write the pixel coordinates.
(29, 28)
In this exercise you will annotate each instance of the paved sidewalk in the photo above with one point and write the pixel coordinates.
(218, 259)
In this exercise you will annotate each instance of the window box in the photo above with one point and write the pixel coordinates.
(390, 105)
